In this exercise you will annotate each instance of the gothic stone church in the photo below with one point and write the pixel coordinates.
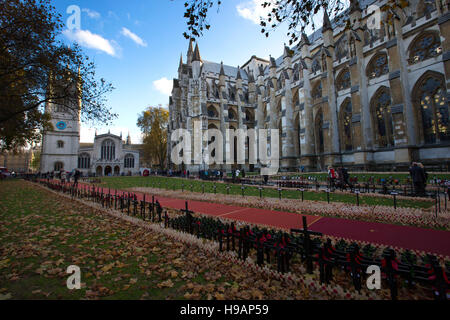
(62, 150)
(365, 98)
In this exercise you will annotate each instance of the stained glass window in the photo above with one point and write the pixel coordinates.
(346, 126)
(381, 104)
(129, 161)
(434, 111)
(212, 113)
(343, 80)
(424, 47)
(315, 66)
(378, 66)
(108, 151)
(84, 161)
(317, 91)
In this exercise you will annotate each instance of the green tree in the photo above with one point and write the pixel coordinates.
(37, 69)
(153, 123)
(36, 161)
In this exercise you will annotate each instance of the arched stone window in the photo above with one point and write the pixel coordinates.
(108, 150)
(432, 108)
(280, 81)
(248, 116)
(212, 112)
(377, 66)
(59, 166)
(232, 93)
(129, 161)
(341, 51)
(231, 114)
(216, 90)
(315, 66)
(60, 144)
(343, 80)
(345, 121)
(424, 46)
(383, 125)
(316, 92)
(84, 161)
(318, 124)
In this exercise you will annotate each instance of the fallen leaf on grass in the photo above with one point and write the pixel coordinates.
(165, 284)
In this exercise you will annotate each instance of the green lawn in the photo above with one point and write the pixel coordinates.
(41, 234)
(197, 186)
(362, 177)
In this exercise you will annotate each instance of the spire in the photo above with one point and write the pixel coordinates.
(305, 39)
(273, 63)
(238, 76)
(181, 61)
(287, 52)
(190, 47)
(190, 52)
(128, 138)
(196, 54)
(222, 72)
(326, 21)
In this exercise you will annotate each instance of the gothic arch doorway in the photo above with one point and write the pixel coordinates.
(116, 170)
(108, 170)
(99, 171)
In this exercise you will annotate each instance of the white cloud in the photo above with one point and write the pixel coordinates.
(164, 86)
(91, 40)
(252, 10)
(91, 13)
(127, 33)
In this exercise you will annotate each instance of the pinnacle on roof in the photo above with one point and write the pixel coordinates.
(196, 54)
(287, 52)
(190, 47)
(305, 39)
(238, 76)
(222, 72)
(326, 22)
(181, 61)
(273, 62)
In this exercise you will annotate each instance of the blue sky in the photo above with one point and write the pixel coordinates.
(136, 45)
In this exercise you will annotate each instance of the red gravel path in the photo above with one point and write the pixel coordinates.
(428, 240)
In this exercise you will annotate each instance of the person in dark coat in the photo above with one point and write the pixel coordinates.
(418, 177)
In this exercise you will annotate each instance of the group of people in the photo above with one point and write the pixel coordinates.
(419, 178)
(340, 175)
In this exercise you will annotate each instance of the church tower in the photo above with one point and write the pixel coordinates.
(60, 144)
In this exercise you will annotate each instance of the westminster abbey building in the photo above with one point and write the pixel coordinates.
(366, 98)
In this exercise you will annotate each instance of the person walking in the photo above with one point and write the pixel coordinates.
(425, 176)
(63, 176)
(76, 176)
(332, 175)
(418, 178)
